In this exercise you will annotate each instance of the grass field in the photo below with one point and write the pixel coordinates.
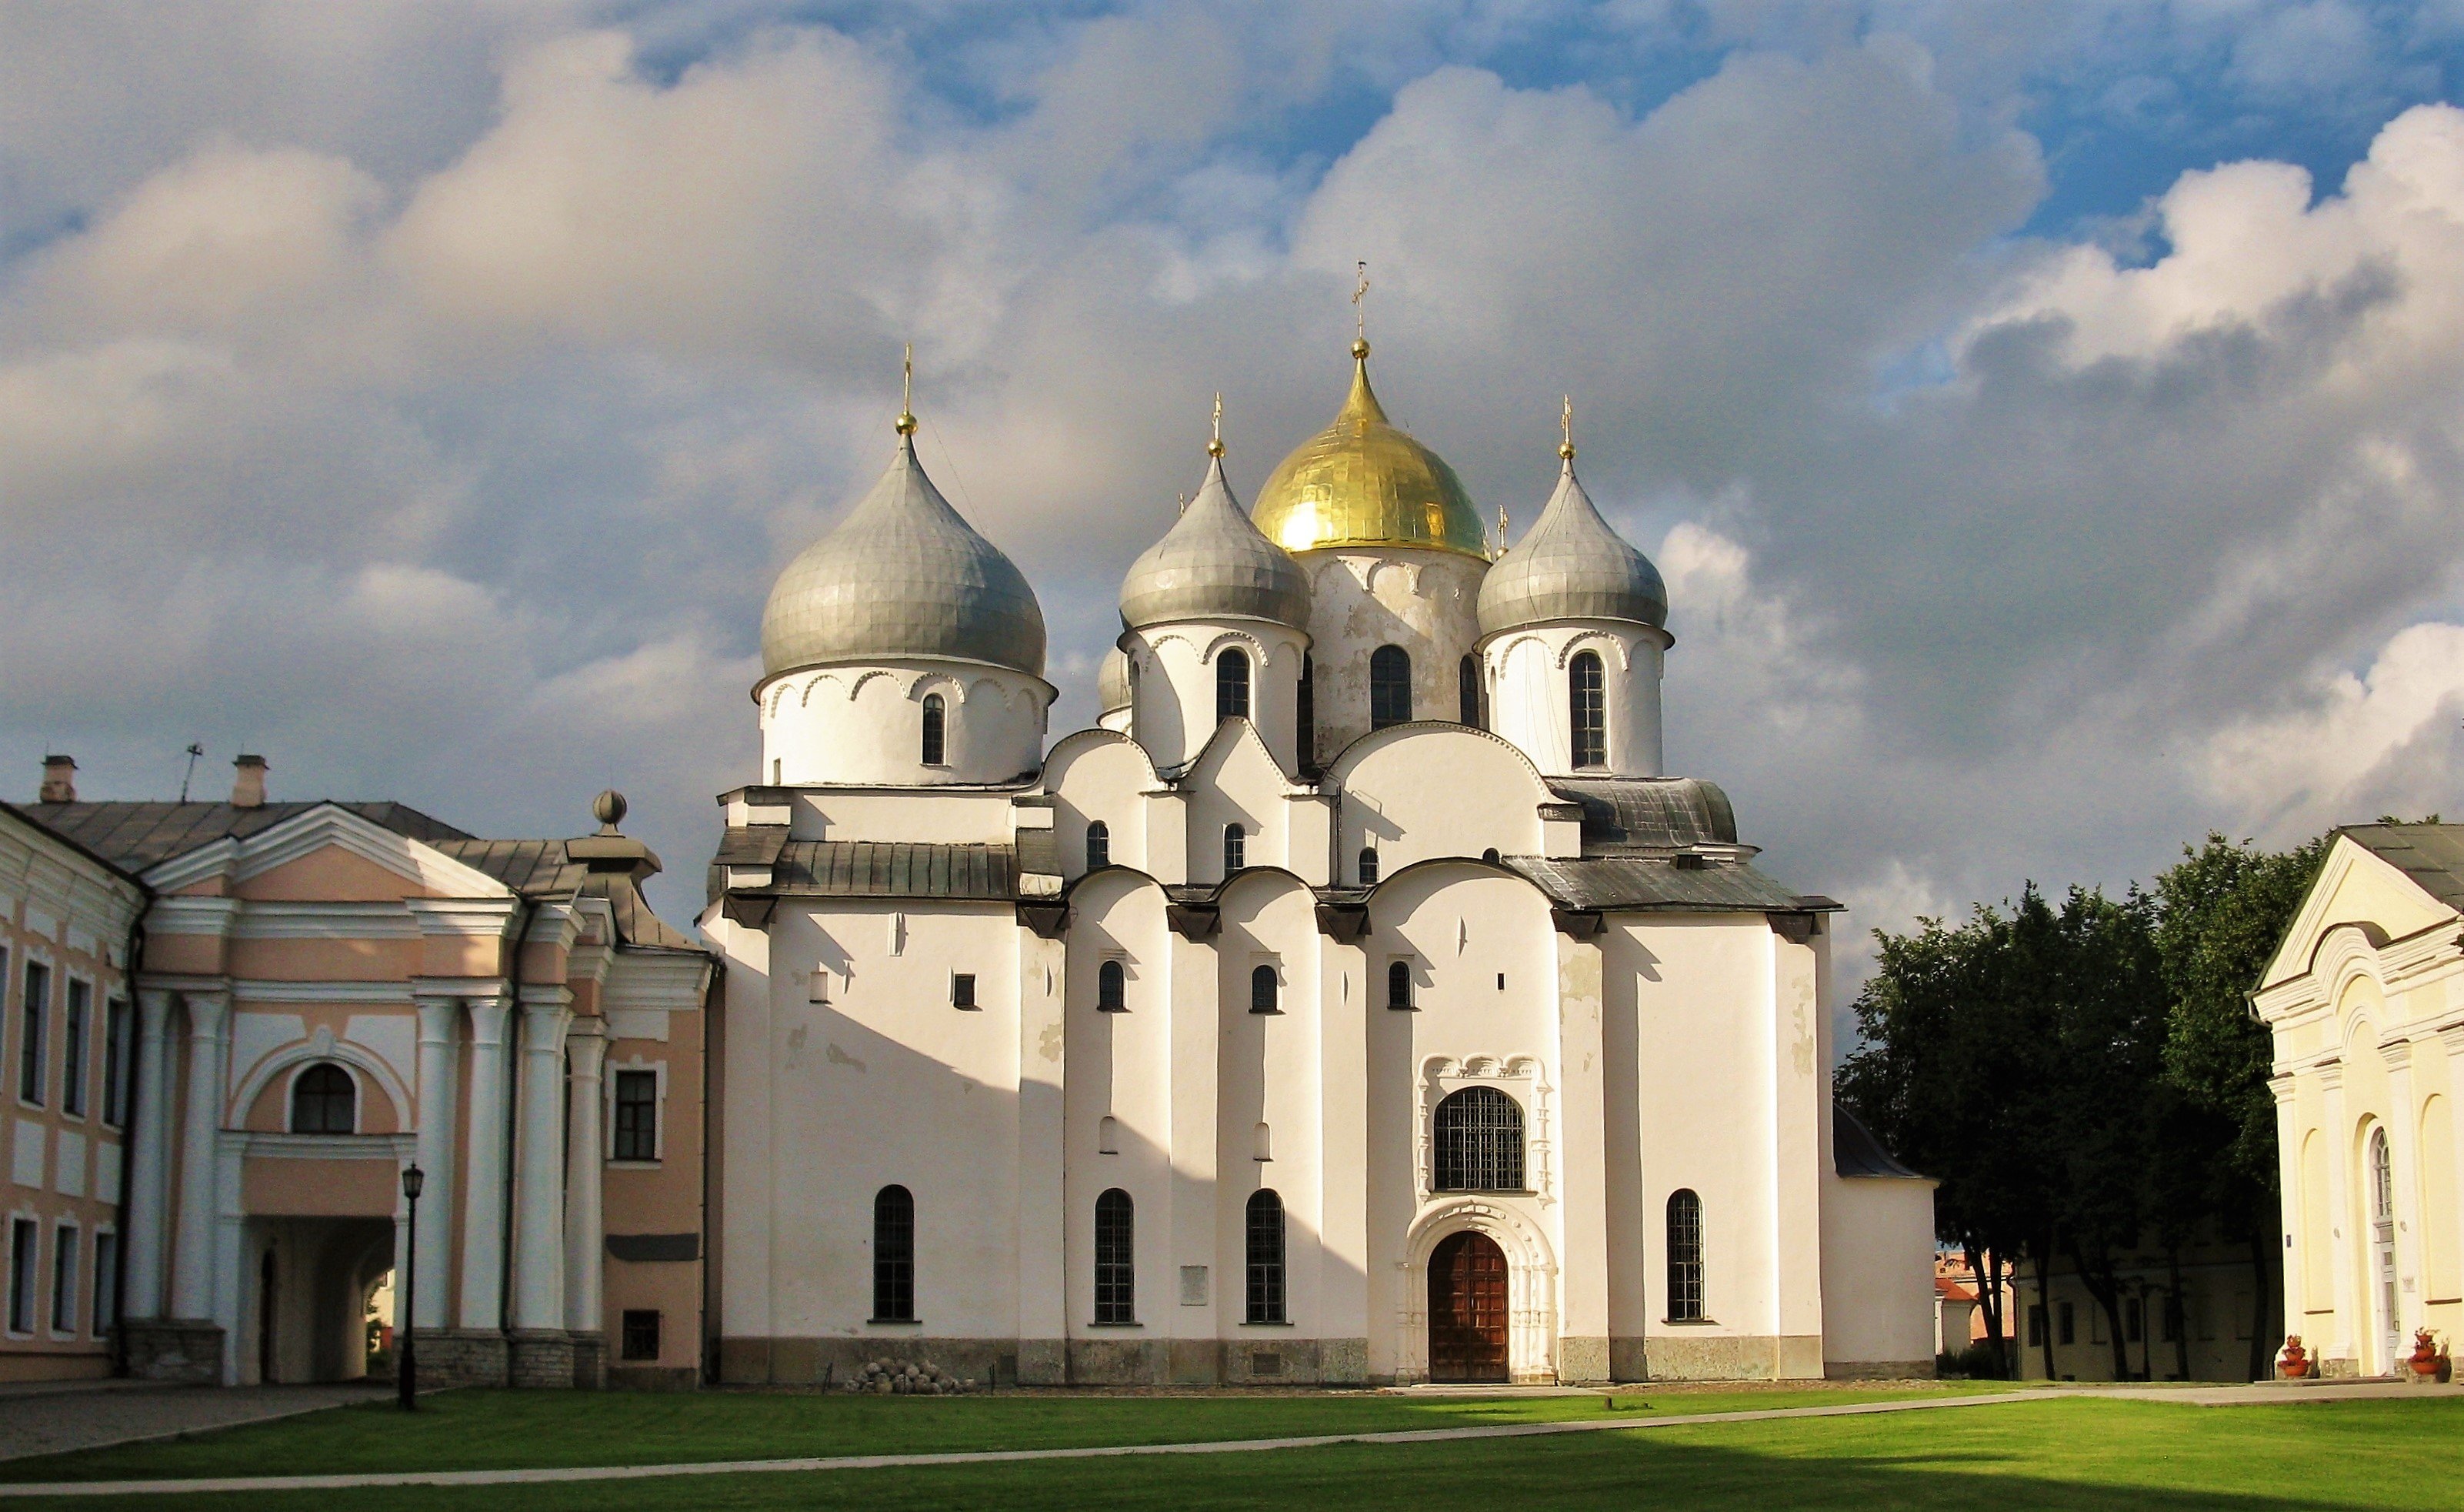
(2076, 1453)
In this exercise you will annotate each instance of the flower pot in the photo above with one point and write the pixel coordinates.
(2293, 1363)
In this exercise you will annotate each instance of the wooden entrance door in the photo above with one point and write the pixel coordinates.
(1467, 1310)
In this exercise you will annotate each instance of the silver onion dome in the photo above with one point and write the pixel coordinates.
(1570, 564)
(1214, 564)
(903, 575)
(1112, 682)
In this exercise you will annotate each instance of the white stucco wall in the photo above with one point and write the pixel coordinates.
(864, 723)
(1530, 702)
(1174, 673)
(1425, 601)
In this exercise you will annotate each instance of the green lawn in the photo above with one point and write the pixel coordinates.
(2058, 1453)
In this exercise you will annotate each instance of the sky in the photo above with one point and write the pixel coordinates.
(2047, 418)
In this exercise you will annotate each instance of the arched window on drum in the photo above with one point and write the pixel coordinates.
(1588, 709)
(1231, 684)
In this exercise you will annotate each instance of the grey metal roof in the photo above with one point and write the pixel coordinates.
(1570, 564)
(894, 869)
(1112, 682)
(1213, 564)
(1634, 882)
(1647, 816)
(1855, 1151)
(137, 835)
(903, 575)
(2431, 854)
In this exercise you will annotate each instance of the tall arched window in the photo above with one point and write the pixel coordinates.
(1399, 984)
(1467, 689)
(1588, 709)
(1684, 1256)
(1115, 1258)
(1231, 684)
(1263, 990)
(1369, 866)
(1265, 1258)
(1112, 988)
(2382, 1178)
(1099, 846)
(1480, 1142)
(1236, 849)
(1307, 720)
(893, 1255)
(934, 717)
(324, 1100)
(1390, 687)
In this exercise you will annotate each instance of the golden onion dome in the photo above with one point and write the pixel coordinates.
(1362, 482)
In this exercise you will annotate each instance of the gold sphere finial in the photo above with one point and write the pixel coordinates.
(906, 394)
(1566, 424)
(1215, 444)
(1360, 350)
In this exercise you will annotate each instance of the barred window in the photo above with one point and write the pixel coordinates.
(324, 1100)
(1265, 1258)
(1684, 1256)
(1587, 693)
(1231, 684)
(1480, 1142)
(637, 1114)
(1263, 990)
(1467, 689)
(1399, 984)
(1099, 846)
(1369, 866)
(1390, 687)
(893, 1255)
(1115, 1258)
(934, 717)
(1112, 988)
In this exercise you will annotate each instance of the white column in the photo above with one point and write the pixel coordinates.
(585, 1153)
(149, 1138)
(193, 1274)
(2294, 1216)
(2402, 1158)
(539, 1246)
(483, 1191)
(2345, 1229)
(439, 1069)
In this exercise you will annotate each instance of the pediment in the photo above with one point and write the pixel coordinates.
(327, 847)
(2357, 889)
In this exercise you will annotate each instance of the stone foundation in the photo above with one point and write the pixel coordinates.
(589, 1362)
(1629, 1359)
(540, 1359)
(1878, 1370)
(654, 1378)
(1583, 1360)
(188, 1350)
(460, 1357)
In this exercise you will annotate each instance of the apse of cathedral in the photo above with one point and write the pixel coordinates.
(1361, 1000)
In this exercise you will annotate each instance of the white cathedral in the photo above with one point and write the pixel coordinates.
(1359, 1002)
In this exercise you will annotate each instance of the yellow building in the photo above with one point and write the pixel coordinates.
(2366, 999)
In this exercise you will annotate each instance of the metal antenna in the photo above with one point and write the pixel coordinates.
(195, 750)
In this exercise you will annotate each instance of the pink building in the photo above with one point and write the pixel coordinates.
(324, 995)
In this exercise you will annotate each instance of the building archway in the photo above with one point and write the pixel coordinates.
(1468, 1310)
(1529, 1276)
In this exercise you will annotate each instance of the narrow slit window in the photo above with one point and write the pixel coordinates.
(1307, 712)
(1265, 1258)
(1399, 984)
(893, 1255)
(1587, 697)
(1236, 849)
(1684, 1256)
(1112, 988)
(1263, 990)
(1467, 690)
(1115, 1258)
(1369, 866)
(1390, 687)
(1099, 846)
(1231, 684)
(934, 718)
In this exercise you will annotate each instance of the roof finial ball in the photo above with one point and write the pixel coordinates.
(1566, 424)
(1214, 445)
(1361, 316)
(906, 394)
(609, 809)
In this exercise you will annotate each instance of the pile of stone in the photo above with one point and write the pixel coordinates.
(908, 1378)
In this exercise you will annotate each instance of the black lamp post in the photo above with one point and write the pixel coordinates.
(407, 1371)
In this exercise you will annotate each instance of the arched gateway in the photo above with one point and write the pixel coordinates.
(1467, 1310)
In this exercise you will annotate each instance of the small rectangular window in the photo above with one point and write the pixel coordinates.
(962, 989)
(2036, 1328)
(2134, 1321)
(637, 1114)
(74, 1031)
(31, 1016)
(641, 1334)
(106, 1284)
(115, 1061)
(25, 1241)
(64, 1279)
(2068, 1330)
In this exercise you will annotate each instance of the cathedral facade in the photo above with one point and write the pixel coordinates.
(1360, 1001)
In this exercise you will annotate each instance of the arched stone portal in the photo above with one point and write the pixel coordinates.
(1468, 1310)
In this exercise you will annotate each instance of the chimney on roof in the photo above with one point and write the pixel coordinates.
(59, 780)
(248, 781)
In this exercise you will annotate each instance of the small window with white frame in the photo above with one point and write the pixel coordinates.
(65, 1249)
(636, 1095)
(77, 1047)
(25, 1255)
(105, 1311)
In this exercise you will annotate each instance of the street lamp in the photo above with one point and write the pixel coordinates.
(406, 1372)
